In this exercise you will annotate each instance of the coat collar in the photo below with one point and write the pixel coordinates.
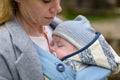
(28, 63)
(19, 36)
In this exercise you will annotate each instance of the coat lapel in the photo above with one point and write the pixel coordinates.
(27, 63)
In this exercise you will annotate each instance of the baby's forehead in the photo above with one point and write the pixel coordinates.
(59, 38)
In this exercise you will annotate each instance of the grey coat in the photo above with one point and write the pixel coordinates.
(18, 58)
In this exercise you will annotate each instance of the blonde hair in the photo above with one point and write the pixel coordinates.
(6, 10)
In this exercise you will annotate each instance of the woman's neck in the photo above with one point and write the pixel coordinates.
(30, 27)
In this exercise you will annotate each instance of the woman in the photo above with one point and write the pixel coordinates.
(24, 44)
(32, 15)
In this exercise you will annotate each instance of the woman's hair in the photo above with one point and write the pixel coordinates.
(7, 10)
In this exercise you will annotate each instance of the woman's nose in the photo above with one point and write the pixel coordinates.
(56, 8)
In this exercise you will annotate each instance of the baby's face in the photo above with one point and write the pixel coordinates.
(61, 47)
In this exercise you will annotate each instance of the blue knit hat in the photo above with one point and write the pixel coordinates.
(78, 31)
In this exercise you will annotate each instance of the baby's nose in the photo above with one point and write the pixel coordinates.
(52, 48)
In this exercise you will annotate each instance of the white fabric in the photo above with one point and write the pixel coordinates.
(41, 42)
(49, 31)
(99, 53)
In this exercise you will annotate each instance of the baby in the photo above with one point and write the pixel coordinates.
(77, 44)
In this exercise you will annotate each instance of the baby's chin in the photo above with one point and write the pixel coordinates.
(54, 54)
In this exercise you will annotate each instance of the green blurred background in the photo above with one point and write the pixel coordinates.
(104, 16)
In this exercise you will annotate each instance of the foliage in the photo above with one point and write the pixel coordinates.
(92, 17)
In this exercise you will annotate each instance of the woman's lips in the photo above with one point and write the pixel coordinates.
(50, 18)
